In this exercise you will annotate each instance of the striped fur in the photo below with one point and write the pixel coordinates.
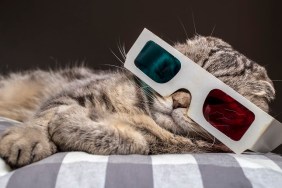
(110, 112)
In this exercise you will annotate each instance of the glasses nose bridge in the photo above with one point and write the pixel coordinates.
(179, 82)
(188, 79)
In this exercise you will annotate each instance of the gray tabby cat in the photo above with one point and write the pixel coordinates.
(109, 112)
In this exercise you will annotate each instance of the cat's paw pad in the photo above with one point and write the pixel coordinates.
(22, 145)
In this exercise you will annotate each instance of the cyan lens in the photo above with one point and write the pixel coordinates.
(157, 63)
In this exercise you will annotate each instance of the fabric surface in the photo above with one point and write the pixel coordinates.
(79, 169)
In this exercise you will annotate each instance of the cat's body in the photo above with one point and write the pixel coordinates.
(110, 112)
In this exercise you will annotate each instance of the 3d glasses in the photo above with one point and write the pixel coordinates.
(223, 112)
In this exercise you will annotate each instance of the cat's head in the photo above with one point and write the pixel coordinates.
(219, 58)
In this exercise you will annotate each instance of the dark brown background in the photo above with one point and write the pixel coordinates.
(44, 34)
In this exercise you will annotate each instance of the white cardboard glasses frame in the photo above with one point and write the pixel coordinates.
(263, 135)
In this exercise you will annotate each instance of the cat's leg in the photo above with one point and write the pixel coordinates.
(162, 141)
(29, 142)
(22, 145)
(66, 125)
(72, 129)
(69, 126)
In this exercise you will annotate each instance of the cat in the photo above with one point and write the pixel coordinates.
(111, 112)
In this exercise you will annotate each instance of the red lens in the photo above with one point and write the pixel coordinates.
(227, 115)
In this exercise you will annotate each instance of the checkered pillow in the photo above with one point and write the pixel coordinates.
(79, 169)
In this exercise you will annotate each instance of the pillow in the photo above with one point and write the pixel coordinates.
(79, 169)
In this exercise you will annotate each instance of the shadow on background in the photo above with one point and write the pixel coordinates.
(52, 34)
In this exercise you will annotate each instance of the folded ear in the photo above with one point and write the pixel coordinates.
(262, 92)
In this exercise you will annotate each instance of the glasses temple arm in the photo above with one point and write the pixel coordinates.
(270, 138)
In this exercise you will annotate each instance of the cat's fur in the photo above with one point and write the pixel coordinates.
(109, 112)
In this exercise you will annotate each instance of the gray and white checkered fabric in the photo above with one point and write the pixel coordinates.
(79, 169)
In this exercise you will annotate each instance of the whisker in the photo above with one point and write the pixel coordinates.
(183, 27)
(213, 30)
(276, 80)
(117, 57)
(205, 135)
(171, 41)
(123, 48)
(148, 94)
(275, 115)
(120, 49)
(213, 142)
(115, 66)
(194, 24)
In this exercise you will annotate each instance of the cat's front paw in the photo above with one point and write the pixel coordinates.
(22, 145)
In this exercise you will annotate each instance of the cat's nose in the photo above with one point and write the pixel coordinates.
(181, 99)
